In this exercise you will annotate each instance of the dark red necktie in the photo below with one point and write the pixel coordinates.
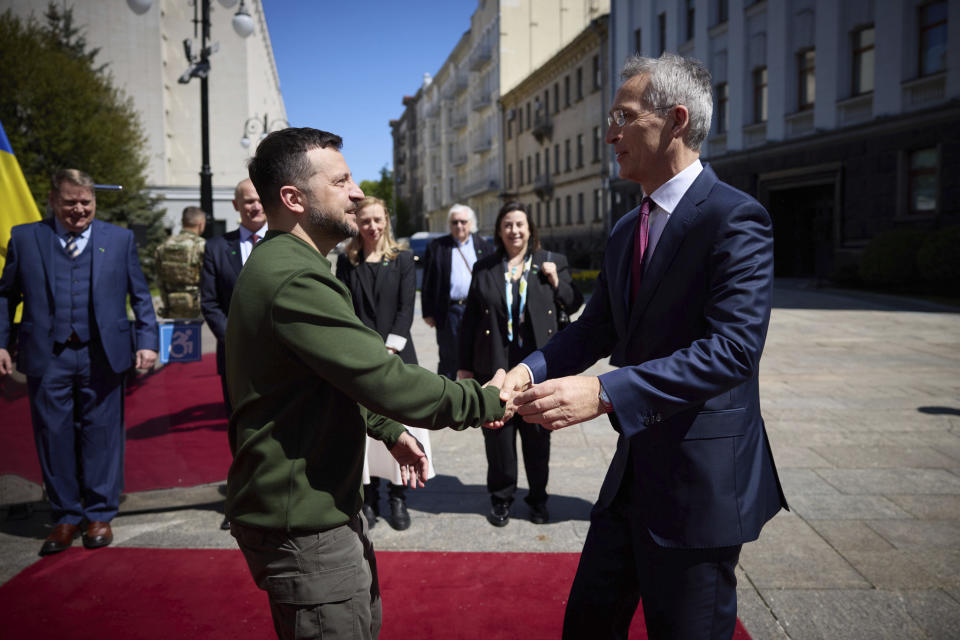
(641, 235)
(254, 239)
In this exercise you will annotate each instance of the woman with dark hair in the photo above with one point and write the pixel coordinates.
(382, 280)
(512, 308)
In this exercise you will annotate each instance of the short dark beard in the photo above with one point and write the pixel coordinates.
(324, 225)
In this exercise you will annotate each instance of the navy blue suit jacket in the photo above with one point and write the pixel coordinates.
(685, 396)
(435, 290)
(221, 266)
(29, 275)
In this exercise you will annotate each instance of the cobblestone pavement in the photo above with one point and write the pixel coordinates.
(861, 396)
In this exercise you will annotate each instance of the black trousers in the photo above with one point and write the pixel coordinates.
(687, 594)
(448, 342)
(501, 448)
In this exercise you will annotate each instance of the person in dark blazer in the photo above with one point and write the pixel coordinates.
(681, 307)
(73, 274)
(222, 261)
(511, 310)
(447, 264)
(383, 283)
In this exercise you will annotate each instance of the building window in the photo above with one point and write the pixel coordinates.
(579, 150)
(722, 95)
(690, 15)
(509, 176)
(662, 33)
(546, 213)
(566, 154)
(597, 140)
(569, 210)
(723, 11)
(546, 162)
(538, 214)
(637, 41)
(806, 79)
(597, 205)
(520, 177)
(932, 23)
(566, 90)
(760, 94)
(597, 78)
(579, 83)
(529, 169)
(556, 158)
(862, 61)
(528, 115)
(580, 208)
(556, 97)
(519, 120)
(537, 164)
(557, 212)
(923, 181)
(509, 128)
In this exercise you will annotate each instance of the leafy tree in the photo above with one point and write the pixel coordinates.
(59, 110)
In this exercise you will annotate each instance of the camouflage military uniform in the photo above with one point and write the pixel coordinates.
(179, 261)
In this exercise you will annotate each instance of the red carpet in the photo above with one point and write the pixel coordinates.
(173, 593)
(176, 429)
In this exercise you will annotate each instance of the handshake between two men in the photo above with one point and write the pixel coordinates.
(553, 404)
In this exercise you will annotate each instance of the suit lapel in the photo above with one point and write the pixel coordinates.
(234, 257)
(47, 244)
(682, 218)
(96, 257)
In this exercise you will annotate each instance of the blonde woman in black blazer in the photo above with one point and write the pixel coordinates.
(382, 281)
(511, 311)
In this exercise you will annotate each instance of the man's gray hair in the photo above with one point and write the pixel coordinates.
(462, 208)
(676, 80)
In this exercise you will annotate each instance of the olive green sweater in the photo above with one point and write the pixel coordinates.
(307, 380)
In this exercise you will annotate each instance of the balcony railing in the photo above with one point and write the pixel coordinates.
(480, 186)
(480, 56)
(461, 82)
(543, 186)
(458, 158)
(458, 120)
(481, 142)
(542, 127)
(480, 100)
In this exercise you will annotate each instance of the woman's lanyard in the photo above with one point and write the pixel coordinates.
(523, 297)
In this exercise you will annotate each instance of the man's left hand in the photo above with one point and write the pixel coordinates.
(414, 465)
(562, 402)
(146, 358)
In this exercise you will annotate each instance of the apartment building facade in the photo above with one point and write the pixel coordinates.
(554, 152)
(459, 119)
(841, 117)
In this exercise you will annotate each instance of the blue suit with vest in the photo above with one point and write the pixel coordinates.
(75, 344)
(693, 477)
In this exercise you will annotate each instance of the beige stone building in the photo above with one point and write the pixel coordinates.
(553, 129)
(459, 120)
(145, 55)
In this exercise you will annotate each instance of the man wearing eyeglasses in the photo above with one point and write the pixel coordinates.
(448, 266)
(681, 307)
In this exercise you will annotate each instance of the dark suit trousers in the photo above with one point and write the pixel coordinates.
(448, 342)
(501, 448)
(77, 411)
(687, 594)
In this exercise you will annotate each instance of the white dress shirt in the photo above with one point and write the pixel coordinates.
(246, 245)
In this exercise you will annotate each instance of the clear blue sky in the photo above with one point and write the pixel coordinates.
(345, 65)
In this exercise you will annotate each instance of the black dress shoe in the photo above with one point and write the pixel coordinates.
(399, 517)
(369, 514)
(499, 514)
(539, 514)
(98, 534)
(59, 539)
(225, 525)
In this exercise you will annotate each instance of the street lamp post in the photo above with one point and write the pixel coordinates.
(254, 126)
(200, 68)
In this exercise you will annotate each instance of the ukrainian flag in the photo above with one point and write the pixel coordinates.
(16, 203)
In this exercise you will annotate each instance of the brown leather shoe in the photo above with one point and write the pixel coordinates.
(98, 535)
(59, 539)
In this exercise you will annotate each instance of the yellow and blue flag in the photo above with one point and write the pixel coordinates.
(16, 203)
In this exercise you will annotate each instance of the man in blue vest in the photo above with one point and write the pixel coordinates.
(73, 274)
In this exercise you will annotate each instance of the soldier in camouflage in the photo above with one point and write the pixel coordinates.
(179, 261)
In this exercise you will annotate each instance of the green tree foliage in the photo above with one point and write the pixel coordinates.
(62, 111)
